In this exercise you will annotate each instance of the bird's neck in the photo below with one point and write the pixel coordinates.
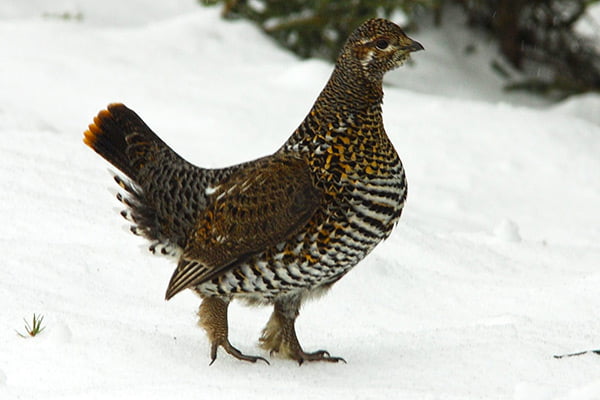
(348, 103)
(349, 91)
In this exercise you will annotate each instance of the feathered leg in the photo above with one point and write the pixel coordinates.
(279, 335)
(213, 318)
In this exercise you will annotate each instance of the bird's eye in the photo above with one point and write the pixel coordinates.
(381, 44)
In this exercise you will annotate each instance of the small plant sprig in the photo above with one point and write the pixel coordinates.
(34, 329)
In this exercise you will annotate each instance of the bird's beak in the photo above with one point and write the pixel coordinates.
(414, 46)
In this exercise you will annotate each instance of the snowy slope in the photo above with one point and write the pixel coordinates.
(493, 268)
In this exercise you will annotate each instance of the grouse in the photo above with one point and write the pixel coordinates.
(282, 228)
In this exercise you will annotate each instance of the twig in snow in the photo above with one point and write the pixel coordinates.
(578, 353)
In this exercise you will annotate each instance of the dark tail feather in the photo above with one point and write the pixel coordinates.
(121, 137)
(152, 197)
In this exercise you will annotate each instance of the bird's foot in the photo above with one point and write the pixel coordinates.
(320, 355)
(213, 318)
(233, 351)
(282, 341)
(279, 336)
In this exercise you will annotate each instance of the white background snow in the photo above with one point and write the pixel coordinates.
(493, 268)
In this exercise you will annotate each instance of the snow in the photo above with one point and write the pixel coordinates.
(492, 270)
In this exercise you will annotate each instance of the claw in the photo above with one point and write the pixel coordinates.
(234, 352)
(320, 355)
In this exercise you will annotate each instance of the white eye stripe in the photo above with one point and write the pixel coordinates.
(367, 59)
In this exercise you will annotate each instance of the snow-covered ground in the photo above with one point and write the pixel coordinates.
(493, 269)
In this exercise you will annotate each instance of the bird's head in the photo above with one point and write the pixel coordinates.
(377, 46)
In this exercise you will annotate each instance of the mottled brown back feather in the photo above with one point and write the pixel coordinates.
(258, 207)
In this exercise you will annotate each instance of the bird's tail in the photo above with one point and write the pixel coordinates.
(121, 137)
(152, 194)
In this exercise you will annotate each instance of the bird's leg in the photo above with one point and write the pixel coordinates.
(213, 318)
(279, 336)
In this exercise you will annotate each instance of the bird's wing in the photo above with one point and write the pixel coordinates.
(259, 206)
